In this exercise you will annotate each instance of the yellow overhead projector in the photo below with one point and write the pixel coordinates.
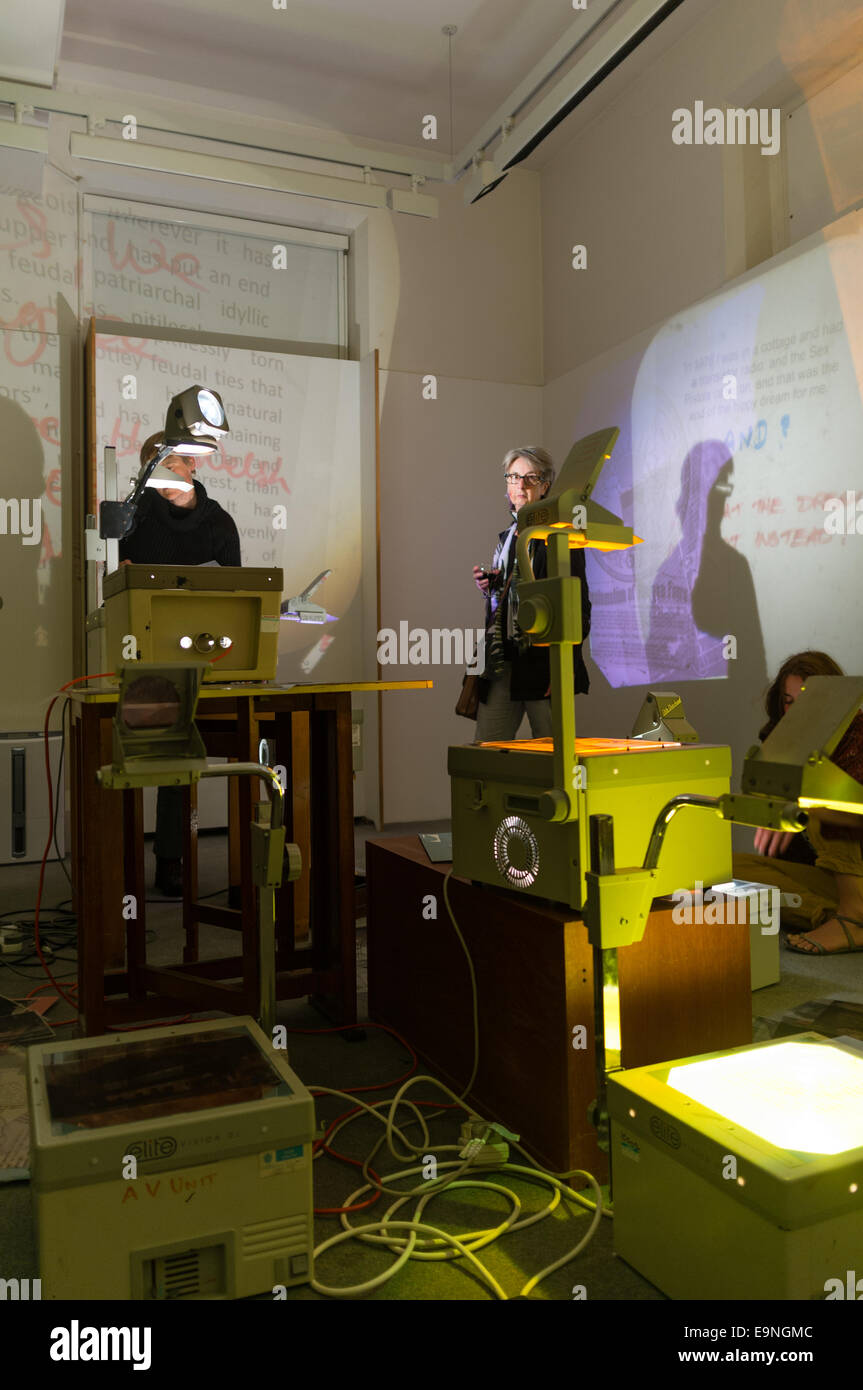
(172, 1164)
(228, 615)
(739, 1175)
(176, 613)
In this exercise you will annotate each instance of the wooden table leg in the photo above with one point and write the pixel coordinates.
(99, 876)
(298, 792)
(190, 872)
(234, 868)
(136, 922)
(286, 895)
(248, 794)
(344, 800)
(75, 744)
(332, 831)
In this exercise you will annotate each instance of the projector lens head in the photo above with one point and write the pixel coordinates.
(195, 421)
(210, 407)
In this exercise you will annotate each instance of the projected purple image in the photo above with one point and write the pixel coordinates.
(703, 593)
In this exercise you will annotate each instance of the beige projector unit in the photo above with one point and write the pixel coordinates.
(172, 613)
(174, 1163)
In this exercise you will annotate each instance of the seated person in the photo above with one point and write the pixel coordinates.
(825, 870)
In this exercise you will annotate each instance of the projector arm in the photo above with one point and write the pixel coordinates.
(117, 518)
(616, 908)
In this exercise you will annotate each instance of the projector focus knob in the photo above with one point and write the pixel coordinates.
(535, 615)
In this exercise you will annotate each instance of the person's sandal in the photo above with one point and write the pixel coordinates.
(824, 914)
(814, 948)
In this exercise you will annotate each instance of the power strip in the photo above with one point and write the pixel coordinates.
(17, 941)
(484, 1142)
(11, 940)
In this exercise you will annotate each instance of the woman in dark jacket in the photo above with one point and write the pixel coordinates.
(517, 677)
(177, 526)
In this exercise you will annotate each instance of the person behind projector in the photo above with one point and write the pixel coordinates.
(175, 526)
(517, 677)
(823, 865)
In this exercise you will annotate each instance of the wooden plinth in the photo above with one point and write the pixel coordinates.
(684, 990)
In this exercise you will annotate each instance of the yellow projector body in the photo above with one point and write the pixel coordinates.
(171, 613)
(739, 1175)
(172, 1164)
(501, 837)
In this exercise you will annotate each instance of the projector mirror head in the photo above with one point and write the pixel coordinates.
(163, 477)
(155, 741)
(149, 702)
(195, 421)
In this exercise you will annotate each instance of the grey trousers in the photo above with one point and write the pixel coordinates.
(500, 717)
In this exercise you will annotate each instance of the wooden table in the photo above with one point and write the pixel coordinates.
(683, 990)
(309, 725)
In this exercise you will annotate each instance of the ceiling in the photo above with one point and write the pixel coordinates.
(371, 68)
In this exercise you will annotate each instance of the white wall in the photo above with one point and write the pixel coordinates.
(458, 297)
(485, 299)
(469, 313)
(443, 504)
(665, 225)
(652, 213)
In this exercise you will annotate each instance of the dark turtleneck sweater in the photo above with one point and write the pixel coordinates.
(169, 535)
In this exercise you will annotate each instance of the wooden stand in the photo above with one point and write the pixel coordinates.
(315, 933)
(684, 990)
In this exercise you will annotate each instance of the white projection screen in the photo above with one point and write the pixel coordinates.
(740, 419)
(295, 442)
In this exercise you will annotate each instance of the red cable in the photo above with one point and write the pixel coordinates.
(369, 1202)
(321, 1144)
(39, 988)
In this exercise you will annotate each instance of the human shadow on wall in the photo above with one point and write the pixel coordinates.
(703, 595)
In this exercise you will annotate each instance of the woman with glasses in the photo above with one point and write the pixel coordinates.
(517, 677)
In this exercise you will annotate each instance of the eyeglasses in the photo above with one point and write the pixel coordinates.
(529, 479)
